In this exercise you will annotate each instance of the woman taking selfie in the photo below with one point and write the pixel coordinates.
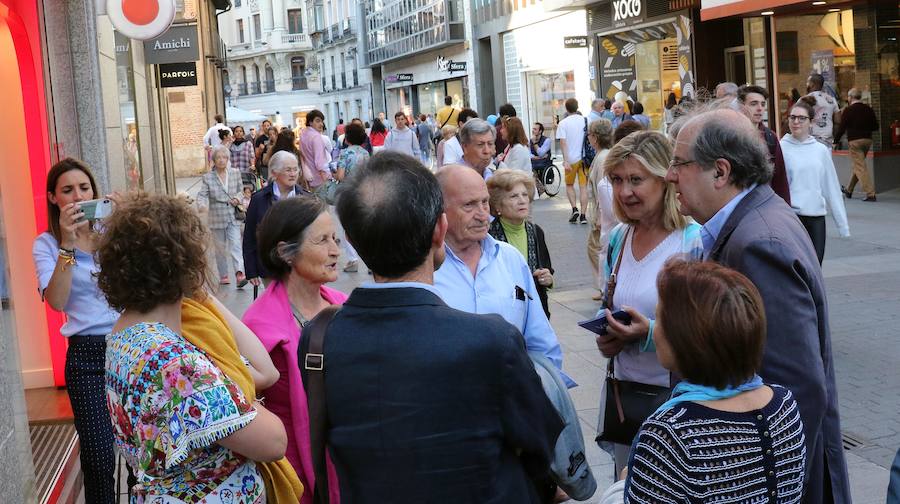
(64, 260)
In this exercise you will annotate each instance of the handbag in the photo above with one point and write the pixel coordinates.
(240, 214)
(314, 364)
(626, 403)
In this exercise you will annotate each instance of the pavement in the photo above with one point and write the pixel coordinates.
(861, 275)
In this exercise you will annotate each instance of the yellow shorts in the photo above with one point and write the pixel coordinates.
(576, 169)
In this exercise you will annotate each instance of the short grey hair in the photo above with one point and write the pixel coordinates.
(854, 93)
(738, 142)
(278, 160)
(729, 88)
(475, 127)
(221, 150)
(597, 102)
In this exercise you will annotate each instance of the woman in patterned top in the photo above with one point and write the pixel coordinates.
(353, 157)
(185, 427)
(724, 436)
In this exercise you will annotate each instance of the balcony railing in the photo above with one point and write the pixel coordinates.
(242, 89)
(299, 83)
(294, 38)
(270, 86)
(255, 88)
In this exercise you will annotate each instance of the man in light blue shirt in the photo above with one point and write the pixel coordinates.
(483, 275)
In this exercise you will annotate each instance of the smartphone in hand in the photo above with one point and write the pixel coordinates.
(96, 209)
(599, 325)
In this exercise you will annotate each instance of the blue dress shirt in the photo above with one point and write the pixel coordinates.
(502, 284)
(709, 233)
(87, 312)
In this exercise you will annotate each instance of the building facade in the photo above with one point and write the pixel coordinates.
(779, 44)
(418, 53)
(345, 89)
(271, 66)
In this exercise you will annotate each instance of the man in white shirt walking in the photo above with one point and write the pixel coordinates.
(211, 139)
(570, 133)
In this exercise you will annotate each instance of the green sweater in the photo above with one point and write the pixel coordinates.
(516, 236)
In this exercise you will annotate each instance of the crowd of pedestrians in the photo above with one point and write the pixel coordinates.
(441, 378)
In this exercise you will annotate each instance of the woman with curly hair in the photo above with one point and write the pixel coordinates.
(183, 414)
(64, 260)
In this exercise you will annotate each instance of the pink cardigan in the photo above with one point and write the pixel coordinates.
(271, 319)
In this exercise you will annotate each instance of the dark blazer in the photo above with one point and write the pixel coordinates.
(260, 203)
(431, 404)
(764, 240)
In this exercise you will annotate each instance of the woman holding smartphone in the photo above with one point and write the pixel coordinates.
(64, 260)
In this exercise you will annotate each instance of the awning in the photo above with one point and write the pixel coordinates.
(715, 9)
(239, 115)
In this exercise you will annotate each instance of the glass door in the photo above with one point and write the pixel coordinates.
(547, 94)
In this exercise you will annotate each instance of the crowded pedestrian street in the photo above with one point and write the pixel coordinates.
(449, 251)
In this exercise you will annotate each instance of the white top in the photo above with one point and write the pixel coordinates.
(519, 158)
(571, 129)
(403, 140)
(211, 137)
(453, 152)
(823, 122)
(813, 180)
(636, 287)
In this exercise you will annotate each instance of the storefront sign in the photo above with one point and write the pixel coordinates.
(178, 45)
(448, 65)
(141, 19)
(177, 74)
(626, 12)
(404, 77)
(617, 70)
(575, 42)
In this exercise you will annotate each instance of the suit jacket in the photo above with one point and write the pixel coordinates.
(764, 240)
(259, 205)
(430, 404)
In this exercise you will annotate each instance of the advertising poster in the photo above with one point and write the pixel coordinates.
(617, 70)
(823, 63)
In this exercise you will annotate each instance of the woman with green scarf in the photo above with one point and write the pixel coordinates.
(511, 193)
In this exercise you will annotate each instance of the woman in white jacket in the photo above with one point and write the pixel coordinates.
(517, 155)
(812, 178)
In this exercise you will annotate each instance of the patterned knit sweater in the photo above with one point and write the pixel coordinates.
(691, 454)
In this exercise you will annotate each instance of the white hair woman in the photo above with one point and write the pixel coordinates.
(284, 168)
(220, 193)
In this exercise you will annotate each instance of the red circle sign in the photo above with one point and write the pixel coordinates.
(141, 19)
(140, 12)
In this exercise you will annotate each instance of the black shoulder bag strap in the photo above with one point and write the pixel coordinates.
(314, 363)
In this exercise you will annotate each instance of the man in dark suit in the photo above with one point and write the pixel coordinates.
(720, 171)
(425, 403)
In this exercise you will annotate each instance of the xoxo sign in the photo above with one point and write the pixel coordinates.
(626, 11)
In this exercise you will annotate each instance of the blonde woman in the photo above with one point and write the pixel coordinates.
(651, 232)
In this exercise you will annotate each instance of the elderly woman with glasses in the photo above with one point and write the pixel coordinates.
(511, 192)
(298, 246)
(284, 169)
(651, 232)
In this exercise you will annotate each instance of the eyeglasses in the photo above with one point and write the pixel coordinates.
(291, 169)
(794, 118)
(676, 165)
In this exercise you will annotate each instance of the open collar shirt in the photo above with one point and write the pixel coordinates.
(709, 233)
(502, 284)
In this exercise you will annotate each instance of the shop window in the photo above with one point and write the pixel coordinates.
(295, 20)
(128, 125)
(788, 58)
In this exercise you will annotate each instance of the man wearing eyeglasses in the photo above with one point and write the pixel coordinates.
(720, 173)
(752, 100)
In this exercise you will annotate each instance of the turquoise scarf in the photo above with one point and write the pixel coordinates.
(686, 391)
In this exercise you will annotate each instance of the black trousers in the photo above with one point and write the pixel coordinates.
(815, 226)
(85, 383)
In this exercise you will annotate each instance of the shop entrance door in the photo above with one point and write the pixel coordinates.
(656, 70)
(547, 92)
(736, 65)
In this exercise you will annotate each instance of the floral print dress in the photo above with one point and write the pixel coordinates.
(170, 405)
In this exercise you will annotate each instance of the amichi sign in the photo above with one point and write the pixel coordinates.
(177, 74)
(178, 44)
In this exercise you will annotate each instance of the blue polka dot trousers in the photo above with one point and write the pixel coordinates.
(85, 382)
